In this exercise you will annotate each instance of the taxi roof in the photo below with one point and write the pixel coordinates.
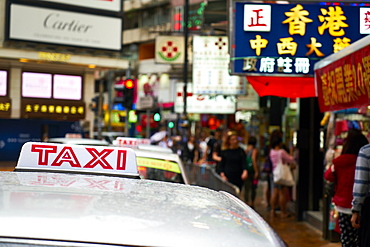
(115, 210)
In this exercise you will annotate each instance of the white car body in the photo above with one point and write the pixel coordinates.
(55, 209)
(72, 195)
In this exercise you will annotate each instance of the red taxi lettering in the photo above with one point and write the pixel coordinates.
(121, 159)
(128, 142)
(66, 155)
(118, 185)
(98, 158)
(44, 151)
(97, 183)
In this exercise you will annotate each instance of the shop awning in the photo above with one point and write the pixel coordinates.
(342, 79)
(283, 86)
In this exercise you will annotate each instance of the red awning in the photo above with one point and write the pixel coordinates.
(342, 79)
(288, 87)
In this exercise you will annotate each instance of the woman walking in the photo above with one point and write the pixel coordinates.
(279, 191)
(233, 165)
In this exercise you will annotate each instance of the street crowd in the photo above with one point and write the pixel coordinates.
(239, 160)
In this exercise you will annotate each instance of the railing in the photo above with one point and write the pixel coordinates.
(205, 175)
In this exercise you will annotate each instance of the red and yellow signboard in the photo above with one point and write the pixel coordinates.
(345, 83)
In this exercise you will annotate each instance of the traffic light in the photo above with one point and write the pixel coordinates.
(157, 117)
(128, 93)
(125, 93)
(119, 87)
(171, 125)
(95, 104)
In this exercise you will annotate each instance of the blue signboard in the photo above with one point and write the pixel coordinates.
(288, 39)
(15, 132)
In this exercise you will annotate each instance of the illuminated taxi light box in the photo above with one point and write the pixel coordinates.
(158, 164)
(36, 85)
(3, 82)
(287, 39)
(77, 158)
(67, 87)
(131, 142)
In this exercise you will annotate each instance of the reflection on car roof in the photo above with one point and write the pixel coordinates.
(114, 210)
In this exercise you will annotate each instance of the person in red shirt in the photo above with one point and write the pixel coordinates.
(342, 173)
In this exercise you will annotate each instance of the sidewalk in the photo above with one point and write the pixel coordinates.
(294, 233)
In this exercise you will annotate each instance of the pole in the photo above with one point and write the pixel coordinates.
(100, 108)
(147, 123)
(186, 38)
(110, 84)
(128, 75)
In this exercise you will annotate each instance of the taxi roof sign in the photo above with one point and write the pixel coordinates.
(77, 158)
(131, 142)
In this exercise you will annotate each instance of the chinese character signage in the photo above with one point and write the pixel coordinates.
(211, 67)
(287, 39)
(52, 109)
(344, 83)
(5, 107)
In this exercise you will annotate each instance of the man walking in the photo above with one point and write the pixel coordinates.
(361, 196)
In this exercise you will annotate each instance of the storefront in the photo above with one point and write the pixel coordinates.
(51, 54)
(343, 93)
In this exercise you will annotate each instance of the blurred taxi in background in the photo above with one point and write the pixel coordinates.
(155, 162)
(72, 195)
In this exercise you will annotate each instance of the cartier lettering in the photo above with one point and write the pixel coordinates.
(53, 21)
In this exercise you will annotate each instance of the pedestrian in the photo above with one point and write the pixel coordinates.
(233, 165)
(267, 169)
(342, 172)
(212, 142)
(165, 142)
(250, 184)
(279, 192)
(190, 151)
(361, 197)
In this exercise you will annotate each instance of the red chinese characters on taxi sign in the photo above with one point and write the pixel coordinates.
(131, 142)
(344, 83)
(77, 158)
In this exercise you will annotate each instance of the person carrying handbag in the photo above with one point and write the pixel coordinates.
(279, 191)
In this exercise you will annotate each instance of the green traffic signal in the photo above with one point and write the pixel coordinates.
(157, 117)
(171, 125)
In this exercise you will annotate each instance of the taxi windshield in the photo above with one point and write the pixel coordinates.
(159, 169)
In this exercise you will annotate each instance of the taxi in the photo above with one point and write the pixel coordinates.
(70, 195)
(155, 162)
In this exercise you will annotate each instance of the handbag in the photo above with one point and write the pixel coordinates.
(282, 174)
